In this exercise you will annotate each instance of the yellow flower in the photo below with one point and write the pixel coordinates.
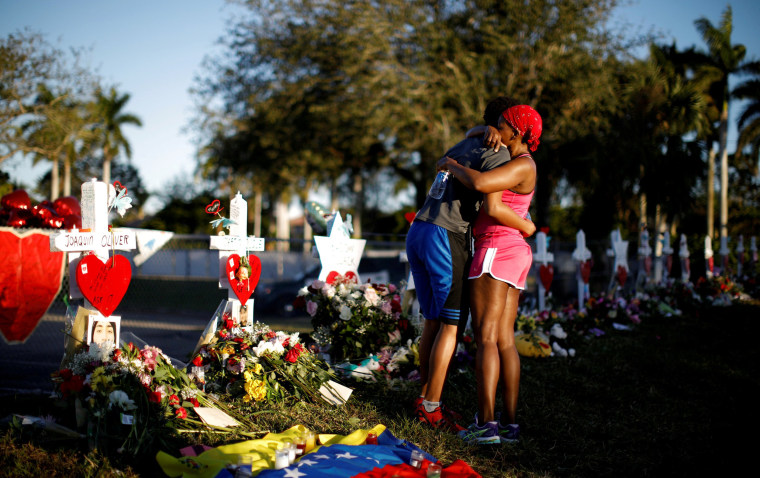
(228, 349)
(99, 382)
(257, 368)
(255, 390)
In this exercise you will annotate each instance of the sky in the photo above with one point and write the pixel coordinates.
(154, 49)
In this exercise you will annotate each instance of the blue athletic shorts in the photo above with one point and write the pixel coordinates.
(439, 260)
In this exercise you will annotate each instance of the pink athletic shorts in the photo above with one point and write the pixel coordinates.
(506, 257)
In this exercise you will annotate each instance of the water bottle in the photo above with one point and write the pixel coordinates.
(439, 185)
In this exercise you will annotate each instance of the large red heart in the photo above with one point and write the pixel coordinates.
(67, 205)
(104, 284)
(241, 286)
(546, 272)
(410, 216)
(30, 279)
(585, 271)
(348, 276)
(622, 275)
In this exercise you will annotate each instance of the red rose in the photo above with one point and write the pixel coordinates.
(198, 361)
(117, 354)
(154, 397)
(229, 323)
(194, 401)
(292, 355)
(244, 346)
(286, 342)
(299, 347)
(173, 400)
(131, 346)
(271, 335)
(238, 340)
(181, 413)
(396, 303)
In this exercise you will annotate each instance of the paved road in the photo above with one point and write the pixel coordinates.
(26, 368)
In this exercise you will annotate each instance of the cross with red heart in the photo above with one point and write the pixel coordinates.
(243, 288)
(585, 271)
(104, 284)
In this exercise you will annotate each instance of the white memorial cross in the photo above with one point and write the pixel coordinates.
(645, 258)
(338, 253)
(683, 254)
(544, 259)
(708, 257)
(664, 258)
(581, 255)
(237, 242)
(94, 236)
(619, 251)
(724, 256)
(740, 256)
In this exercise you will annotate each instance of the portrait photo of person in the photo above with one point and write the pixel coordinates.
(102, 330)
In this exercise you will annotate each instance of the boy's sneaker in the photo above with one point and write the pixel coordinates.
(488, 434)
(509, 433)
(437, 419)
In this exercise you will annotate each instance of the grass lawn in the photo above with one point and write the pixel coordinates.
(675, 397)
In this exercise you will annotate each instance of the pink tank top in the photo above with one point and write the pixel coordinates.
(485, 225)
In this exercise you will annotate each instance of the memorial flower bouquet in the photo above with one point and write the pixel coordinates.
(260, 366)
(354, 320)
(127, 397)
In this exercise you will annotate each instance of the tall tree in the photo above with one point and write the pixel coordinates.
(722, 59)
(748, 144)
(110, 118)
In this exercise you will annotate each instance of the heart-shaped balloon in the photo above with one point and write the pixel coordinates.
(67, 205)
(214, 207)
(53, 222)
(243, 280)
(410, 216)
(546, 273)
(622, 275)
(586, 271)
(30, 279)
(18, 199)
(44, 210)
(19, 218)
(71, 221)
(104, 284)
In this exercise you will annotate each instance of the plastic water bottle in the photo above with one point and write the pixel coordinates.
(439, 185)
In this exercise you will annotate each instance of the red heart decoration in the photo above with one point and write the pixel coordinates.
(19, 217)
(348, 276)
(622, 275)
(67, 205)
(546, 272)
(711, 264)
(214, 207)
(104, 284)
(44, 210)
(18, 199)
(30, 279)
(585, 271)
(410, 216)
(70, 221)
(245, 287)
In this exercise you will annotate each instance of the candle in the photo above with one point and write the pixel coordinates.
(434, 470)
(281, 458)
(300, 445)
(311, 441)
(416, 459)
(371, 439)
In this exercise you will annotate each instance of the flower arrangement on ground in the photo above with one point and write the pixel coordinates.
(354, 321)
(260, 366)
(127, 396)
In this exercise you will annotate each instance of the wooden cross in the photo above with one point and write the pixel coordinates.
(708, 257)
(664, 262)
(237, 242)
(683, 254)
(619, 251)
(582, 255)
(544, 259)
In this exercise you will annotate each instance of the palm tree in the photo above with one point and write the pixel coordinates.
(722, 60)
(749, 120)
(110, 119)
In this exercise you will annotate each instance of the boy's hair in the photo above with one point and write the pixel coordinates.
(495, 108)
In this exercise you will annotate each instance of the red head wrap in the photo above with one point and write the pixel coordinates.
(527, 122)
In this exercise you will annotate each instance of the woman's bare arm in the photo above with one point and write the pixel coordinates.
(498, 179)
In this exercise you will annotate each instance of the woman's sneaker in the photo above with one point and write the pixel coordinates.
(509, 433)
(436, 419)
(488, 434)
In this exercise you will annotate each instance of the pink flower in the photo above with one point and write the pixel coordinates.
(311, 308)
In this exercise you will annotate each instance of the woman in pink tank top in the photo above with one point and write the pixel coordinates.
(500, 266)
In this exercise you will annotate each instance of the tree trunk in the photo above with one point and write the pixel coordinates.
(711, 192)
(308, 235)
(724, 172)
(642, 203)
(333, 195)
(67, 177)
(55, 186)
(283, 226)
(358, 189)
(107, 166)
(256, 211)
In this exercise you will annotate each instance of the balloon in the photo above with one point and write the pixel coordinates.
(19, 218)
(67, 205)
(71, 221)
(44, 211)
(18, 199)
(54, 222)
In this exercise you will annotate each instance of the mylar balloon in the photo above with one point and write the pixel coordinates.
(19, 218)
(67, 205)
(18, 199)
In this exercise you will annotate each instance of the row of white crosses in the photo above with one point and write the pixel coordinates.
(94, 237)
(724, 252)
(236, 242)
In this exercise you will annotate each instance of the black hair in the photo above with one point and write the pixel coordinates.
(495, 108)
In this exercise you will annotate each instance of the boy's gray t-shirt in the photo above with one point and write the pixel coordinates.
(459, 205)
